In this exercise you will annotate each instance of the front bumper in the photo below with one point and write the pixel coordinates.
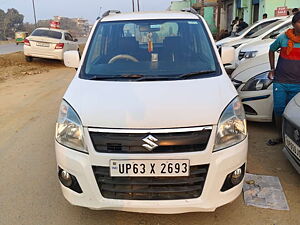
(258, 104)
(220, 165)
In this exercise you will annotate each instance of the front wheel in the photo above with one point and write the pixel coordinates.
(28, 58)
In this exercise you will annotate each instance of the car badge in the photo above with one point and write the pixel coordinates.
(150, 140)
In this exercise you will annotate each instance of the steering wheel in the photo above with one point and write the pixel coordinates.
(118, 57)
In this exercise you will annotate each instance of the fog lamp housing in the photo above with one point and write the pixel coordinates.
(68, 180)
(234, 178)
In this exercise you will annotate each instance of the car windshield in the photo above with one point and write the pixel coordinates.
(47, 33)
(159, 49)
(265, 29)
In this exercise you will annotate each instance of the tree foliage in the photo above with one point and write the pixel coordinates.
(10, 22)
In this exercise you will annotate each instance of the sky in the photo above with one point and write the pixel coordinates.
(88, 9)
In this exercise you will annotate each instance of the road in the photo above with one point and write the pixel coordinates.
(29, 190)
(11, 48)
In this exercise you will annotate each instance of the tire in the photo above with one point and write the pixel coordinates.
(28, 58)
(17, 43)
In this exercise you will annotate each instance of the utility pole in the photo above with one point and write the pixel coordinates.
(219, 16)
(132, 5)
(138, 5)
(34, 12)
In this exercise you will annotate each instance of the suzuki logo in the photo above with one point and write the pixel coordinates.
(297, 135)
(150, 140)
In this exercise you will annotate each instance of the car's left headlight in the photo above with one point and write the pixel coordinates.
(69, 130)
(258, 83)
(250, 54)
(232, 128)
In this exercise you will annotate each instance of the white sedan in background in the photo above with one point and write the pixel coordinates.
(291, 132)
(254, 88)
(48, 43)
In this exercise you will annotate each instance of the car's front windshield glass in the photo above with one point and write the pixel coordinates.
(149, 48)
(265, 29)
(47, 33)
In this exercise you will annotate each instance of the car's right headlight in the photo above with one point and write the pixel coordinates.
(257, 83)
(232, 128)
(69, 130)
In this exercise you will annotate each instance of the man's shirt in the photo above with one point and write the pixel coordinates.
(288, 66)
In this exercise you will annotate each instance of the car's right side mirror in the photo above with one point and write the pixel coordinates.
(72, 59)
(227, 55)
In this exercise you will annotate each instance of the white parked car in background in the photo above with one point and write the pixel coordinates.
(48, 43)
(261, 47)
(151, 122)
(257, 36)
(248, 31)
(291, 132)
(254, 88)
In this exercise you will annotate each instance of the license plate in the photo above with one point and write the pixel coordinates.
(292, 146)
(149, 168)
(40, 44)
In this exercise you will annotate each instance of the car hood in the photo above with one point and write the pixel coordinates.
(226, 40)
(257, 45)
(238, 42)
(152, 104)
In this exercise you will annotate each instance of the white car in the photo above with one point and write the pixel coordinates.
(258, 36)
(291, 132)
(151, 122)
(48, 43)
(248, 31)
(261, 47)
(254, 88)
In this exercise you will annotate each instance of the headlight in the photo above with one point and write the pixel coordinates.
(69, 130)
(250, 54)
(232, 127)
(257, 83)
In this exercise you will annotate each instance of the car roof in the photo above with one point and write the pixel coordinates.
(57, 30)
(149, 16)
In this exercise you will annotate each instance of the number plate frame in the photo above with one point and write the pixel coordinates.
(42, 44)
(184, 168)
(292, 146)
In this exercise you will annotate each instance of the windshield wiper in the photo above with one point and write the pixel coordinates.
(123, 76)
(189, 75)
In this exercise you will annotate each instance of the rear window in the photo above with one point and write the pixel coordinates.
(47, 33)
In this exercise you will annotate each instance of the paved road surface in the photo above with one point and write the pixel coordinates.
(30, 192)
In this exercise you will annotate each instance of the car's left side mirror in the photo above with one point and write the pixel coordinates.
(75, 40)
(227, 55)
(72, 59)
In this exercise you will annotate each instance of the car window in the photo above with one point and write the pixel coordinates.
(278, 31)
(259, 27)
(265, 29)
(68, 37)
(47, 33)
(150, 48)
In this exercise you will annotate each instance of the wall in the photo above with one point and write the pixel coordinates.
(271, 5)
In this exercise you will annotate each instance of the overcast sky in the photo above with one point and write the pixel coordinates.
(89, 9)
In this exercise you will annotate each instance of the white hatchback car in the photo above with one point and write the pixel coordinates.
(254, 88)
(248, 31)
(291, 132)
(151, 121)
(262, 34)
(48, 43)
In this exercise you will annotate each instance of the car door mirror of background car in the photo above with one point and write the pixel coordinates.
(227, 55)
(72, 59)
(75, 40)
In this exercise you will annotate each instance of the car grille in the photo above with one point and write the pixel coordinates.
(292, 131)
(167, 142)
(151, 188)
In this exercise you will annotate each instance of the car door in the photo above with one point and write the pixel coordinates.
(72, 45)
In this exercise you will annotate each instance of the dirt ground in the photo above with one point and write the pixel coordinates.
(29, 189)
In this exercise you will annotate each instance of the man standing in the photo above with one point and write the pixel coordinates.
(242, 25)
(295, 11)
(286, 76)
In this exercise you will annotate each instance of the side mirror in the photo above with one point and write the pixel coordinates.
(72, 59)
(75, 40)
(227, 55)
